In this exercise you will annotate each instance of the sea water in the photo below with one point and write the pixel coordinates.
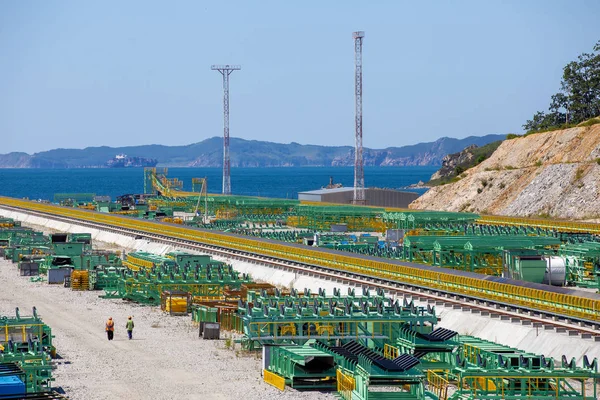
(265, 182)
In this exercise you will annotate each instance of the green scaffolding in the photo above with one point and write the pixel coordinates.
(321, 218)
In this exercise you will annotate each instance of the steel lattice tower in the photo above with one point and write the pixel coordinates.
(226, 70)
(359, 171)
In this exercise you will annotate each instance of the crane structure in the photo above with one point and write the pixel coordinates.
(359, 172)
(226, 70)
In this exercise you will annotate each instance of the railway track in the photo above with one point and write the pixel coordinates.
(537, 319)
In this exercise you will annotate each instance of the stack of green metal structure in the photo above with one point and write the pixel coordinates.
(26, 342)
(147, 275)
(297, 318)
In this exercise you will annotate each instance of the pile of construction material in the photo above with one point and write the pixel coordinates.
(25, 357)
(368, 346)
(59, 258)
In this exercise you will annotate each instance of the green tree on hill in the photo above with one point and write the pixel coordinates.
(579, 96)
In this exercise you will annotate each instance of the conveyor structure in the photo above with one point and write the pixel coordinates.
(487, 370)
(582, 261)
(482, 254)
(20, 329)
(146, 276)
(26, 350)
(551, 300)
(371, 318)
(300, 367)
(477, 369)
(354, 370)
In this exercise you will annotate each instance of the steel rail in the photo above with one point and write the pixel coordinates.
(486, 307)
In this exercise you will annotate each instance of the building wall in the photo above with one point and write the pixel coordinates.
(309, 197)
(374, 197)
(389, 198)
(338, 197)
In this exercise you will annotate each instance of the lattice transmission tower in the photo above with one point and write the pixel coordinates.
(226, 70)
(359, 171)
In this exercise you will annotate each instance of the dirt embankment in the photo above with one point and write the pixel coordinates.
(553, 174)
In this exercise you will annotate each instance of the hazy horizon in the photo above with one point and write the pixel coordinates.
(231, 138)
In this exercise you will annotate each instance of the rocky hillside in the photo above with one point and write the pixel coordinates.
(552, 174)
(456, 163)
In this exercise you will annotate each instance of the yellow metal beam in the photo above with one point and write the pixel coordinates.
(563, 226)
(274, 380)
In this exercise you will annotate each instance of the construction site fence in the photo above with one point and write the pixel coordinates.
(563, 304)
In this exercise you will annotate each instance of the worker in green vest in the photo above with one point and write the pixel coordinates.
(129, 328)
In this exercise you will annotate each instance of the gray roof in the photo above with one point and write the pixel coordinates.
(325, 191)
(351, 189)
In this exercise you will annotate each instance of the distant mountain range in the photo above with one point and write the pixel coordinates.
(247, 153)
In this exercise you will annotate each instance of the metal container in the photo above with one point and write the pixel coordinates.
(175, 302)
(556, 271)
(339, 227)
(29, 269)
(11, 385)
(394, 235)
(212, 330)
(57, 275)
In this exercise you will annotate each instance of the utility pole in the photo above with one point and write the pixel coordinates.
(226, 70)
(359, 172)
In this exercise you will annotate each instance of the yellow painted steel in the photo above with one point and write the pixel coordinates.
(349, 329)
(500, 383)
(324, 328)
(274, 380)
(131, 266)
(10, 331)
(563, 226)
(438, 385)
(288, 329)
(176, 305)
(484, 383)
(80, 280)
(470, 352)
(568, 305)
(138, 262)
(169, 187)
(345, 384)
(390, 351)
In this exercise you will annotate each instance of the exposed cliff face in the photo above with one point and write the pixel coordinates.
(546, 174)
(388, 158)
(15, 160)
(24, 160)
(451, 161)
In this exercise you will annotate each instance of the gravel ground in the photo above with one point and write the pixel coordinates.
(166, 359)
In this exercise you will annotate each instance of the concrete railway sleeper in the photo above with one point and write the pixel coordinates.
(582, 310)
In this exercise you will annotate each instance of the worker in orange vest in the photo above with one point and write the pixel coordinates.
(110, 328)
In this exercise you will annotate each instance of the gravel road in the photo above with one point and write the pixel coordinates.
(165, 360)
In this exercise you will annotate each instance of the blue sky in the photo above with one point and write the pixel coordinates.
(77, 73)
